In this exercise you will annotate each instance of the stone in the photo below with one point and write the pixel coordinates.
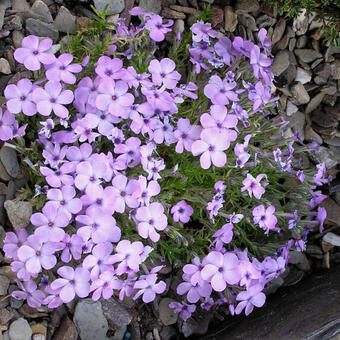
(19, 213)
(303, 76)
(20, 6)
(114, 6)
(17, 37)
(65, 21)
(171, 14)
(4, 66)
(291, 108)
(217, 16)
(307, 55)
(230, 19)
(278, 31)
(166, 314)
(292, 44)
(315, 102)
(247, 6)
(117, 316)
(179, 27)
(2, 17)
(153, 6)
(330, 51)
(265, 21)
(183, 9)
(4, 284)
(299, 259)
(66, 331)
(6, 315)
(4, 4)
(273, 286)
(280, 63)
(325, 155)
(297, 123)
(20, 330)
(332, 239)
(287, 77)
(38, 337)
(283, 43)
(41, 9)
(90, 320)
(300, 94)
(39, 328)
(9, 160)
(199, 325)
(335, 69)
(247, 21)
(300, 23)
(42, 29)
(323, 119)
(301, 42)
(334, 111)
(332, 208)
(168, 333)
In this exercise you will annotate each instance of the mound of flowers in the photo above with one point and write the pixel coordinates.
(148, 152)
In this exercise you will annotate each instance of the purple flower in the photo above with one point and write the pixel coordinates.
(19, 98)
(105, 285)
(110, 68)
(259, 62)
(30, 293)
(71, 245)
(148, 287)
(193, 272)
(186, 134)
(182, 211)
(250, 298)
(63, 175)
(33, 52)
(50, 222)
(114, 97)
(157, 29)
(266, 43)
(147, 190)
(64, 200)
(6, 125)
(150, 219)
(202, 31)
(37, 255)
(163, 72)
(220, 91)
(88, 174)
(265, 218)
(194, 292)
(72, 282)
(321, 216)
(62, 69)
(13, 241)
(224, 49)
(129, 151)
(183, 309)
(52, 98)
(317, 198)
(162, 131)
(223, 236)
(248, 273)
(211, 147)
(220, 269)
(253, 185)
(53, 300)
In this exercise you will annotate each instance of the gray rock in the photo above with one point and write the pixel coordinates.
(283, 43)
(287, 77)
(323, 71)
(40, 8)
(315, 102)
(307, 55)
(335, 69)
(179, 26)
(300, 94)
(273, 286)
(303, 76)
(301, 42)
(247, 21)
(2, 16)
(65, 21)
(20, 6)
(4, 4)
(166, 314)
(199, 325)
(292, 44)
(297, 123)
(4, 284)
(291, 108)
(115, 6)
(323, 119)
(17, 37)
(332, 239)
(280, 63)
(19, 213)
(4, 66)
(230, 19)
(90, 320)
(330, 51)
(2, 236)
(300, 23)
(42, 29)
(117, 316)
(153, 6)
(247, 6)
(278, 31)
(325, 155)
(299, 259)
(20, 330)
(168, 333)
(9, 160)
(265, 21)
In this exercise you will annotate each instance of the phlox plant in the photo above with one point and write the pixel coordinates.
(138, 151)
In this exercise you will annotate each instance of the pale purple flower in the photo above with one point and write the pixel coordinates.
(147, 190)
(110, 68)
(183, 309)
(6, 125)
(163, 132)
(105, 285)
(33, 52)
(265, 41)
(224, 235)
(158, 98)
(220, 269)
(321, 216)
(265, 218)
(52, 300)
(19, 98)
(89, 174)
(221, 91)
(150, 219)
(186, 134)
(79, 154)
(72, 282)
(47, 126)
(194, 292)
(319, 177)
(242, 47)
(54, 154)
(50, 223)
(250, 298)
(253, 185)
(52, 98)
(202, 31)
(163, 72)
(224, 49)
(129, 151)
(317, 198)
(65, 200)
(13, 241)
(30, 293)
(182, 212)
(98, 227)
(37, 255)
(211, 147)
(71, 247)
(193, 272)
(149, 288)
(157, 29)
(259, 62)
(62, 69)
(59, 177)
(248, 273)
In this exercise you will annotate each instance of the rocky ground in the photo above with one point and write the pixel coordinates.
(308, 82)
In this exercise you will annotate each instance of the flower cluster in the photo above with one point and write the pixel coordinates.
(120, 138)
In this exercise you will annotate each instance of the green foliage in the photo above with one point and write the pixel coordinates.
(327, 12)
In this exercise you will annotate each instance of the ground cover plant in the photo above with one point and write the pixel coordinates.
(137, 150)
